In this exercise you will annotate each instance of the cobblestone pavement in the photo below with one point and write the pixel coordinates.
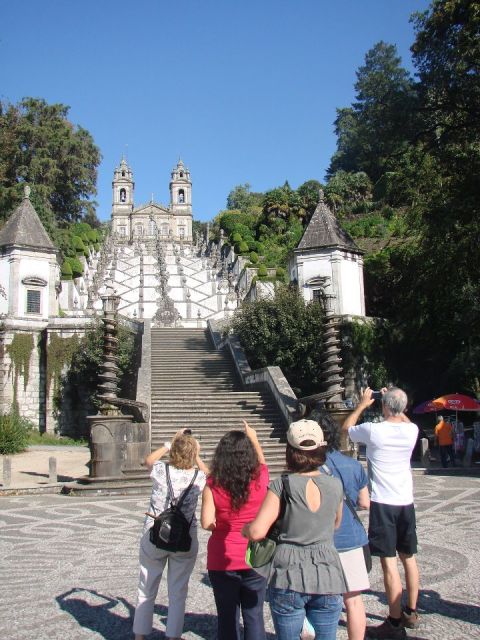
(69, 567)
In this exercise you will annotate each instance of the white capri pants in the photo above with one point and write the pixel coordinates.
(152, 564)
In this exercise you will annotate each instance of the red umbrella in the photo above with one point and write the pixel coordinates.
(457, 402)
(428, 407)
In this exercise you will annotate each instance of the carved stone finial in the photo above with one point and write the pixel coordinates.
(321, 195)
(26, 192)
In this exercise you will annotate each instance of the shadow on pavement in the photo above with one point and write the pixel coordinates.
(431, 602)
(93, 610)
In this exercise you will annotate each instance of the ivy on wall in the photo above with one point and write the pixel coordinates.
(20, 352)
(60, 352)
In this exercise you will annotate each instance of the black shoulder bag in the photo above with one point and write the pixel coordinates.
(171, 529)
(351, 506)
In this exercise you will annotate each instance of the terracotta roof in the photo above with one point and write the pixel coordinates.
(324, 230)
(24, 227)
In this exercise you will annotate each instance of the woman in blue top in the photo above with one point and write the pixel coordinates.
(350, 537)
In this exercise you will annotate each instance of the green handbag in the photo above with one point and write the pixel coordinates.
(261, 552)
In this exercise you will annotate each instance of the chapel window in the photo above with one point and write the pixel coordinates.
(165, 229)
(181, 232)
(122, 231)
(123, 174)
(33, 301)
(181, 174)
(317, 295)
(181, 196)
(123, 195)
(139, 229)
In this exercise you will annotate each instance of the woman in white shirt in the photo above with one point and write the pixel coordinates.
(184, 455)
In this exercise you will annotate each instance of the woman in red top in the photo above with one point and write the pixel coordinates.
(235, 490)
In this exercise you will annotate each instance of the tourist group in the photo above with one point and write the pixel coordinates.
(295, 540)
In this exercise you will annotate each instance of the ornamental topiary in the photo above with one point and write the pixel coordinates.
(76, 265)
(78, 244)
(236, 238)
(66, 271)
(260, 249)
(253, 257)
(262, 271)
(243, 246)
(92, 236)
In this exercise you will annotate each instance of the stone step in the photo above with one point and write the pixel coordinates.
(195, 385)
(237, 396)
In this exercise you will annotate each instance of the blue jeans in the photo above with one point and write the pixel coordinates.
(289, 609)
(234, 590)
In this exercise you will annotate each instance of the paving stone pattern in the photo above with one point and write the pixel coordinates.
(69, 567)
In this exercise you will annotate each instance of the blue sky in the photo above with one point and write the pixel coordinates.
(243, 91)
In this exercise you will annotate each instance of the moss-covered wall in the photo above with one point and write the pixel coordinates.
(20, 352)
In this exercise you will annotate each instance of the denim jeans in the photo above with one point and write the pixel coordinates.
(289, 609)
(245, 589)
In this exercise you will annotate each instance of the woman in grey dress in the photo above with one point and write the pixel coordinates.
(305, 576)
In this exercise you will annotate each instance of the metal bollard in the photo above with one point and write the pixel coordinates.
(7, 472)
(52, 470)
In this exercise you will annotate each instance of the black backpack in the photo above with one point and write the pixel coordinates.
(171, 530)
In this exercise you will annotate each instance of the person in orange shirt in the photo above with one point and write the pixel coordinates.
(444, 439)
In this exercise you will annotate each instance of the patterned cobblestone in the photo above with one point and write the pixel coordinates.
(69, 567)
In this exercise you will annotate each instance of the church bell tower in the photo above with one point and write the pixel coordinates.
(181, 190)
(122, 198)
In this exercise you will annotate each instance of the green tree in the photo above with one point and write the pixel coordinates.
(243, 199)
(40, 146)
(378, 127)
(309, 195)
(284, 332)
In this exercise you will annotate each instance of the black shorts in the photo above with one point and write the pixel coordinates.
(392, 528)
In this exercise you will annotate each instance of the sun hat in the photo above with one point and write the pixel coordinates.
(303, 430)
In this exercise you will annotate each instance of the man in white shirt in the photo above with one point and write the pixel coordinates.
(392, 526)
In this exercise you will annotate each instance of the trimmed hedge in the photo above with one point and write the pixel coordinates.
(76, 265)
(253, 257)
(66, 271)
(78, 245)
(262, 271)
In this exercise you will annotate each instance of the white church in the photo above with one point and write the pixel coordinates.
(151, 261)
(173, 221)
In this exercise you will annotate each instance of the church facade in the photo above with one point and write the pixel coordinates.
(171, 222)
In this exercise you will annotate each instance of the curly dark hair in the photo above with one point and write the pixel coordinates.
(331, 430)
(235, 464)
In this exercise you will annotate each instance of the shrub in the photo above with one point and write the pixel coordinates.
(243, 247)
(253, 257)
(92, 236)
(280, 273)
(262, 271)
(236, 238)
(13, 433)
(66, 271)
(76, 265)
(78, 245)
(260, 249)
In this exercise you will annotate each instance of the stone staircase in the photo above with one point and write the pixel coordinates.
(196, 386)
